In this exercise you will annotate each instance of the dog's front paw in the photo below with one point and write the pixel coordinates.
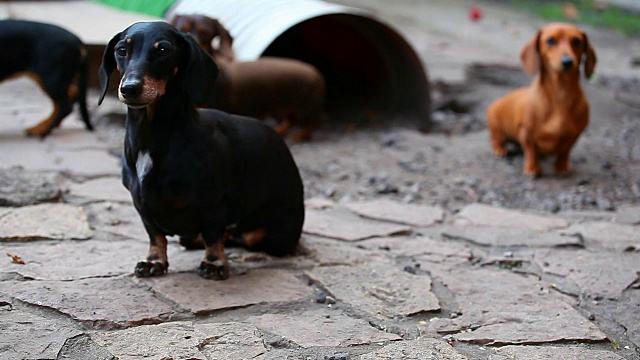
(532, 170)
(215, 270)
(149, 268)
(563, 169)
(499, 152)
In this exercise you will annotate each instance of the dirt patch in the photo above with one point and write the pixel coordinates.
(452, 165)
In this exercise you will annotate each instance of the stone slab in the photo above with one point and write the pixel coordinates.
(502, 308)
(343, 225)
(100, 189)
(173, 340)
(19, 187)
(201, 296)
(327, 252)
(321, 327)
(44, 221)
(492, 236)
(381, 289)
(421, 349)
(513, 352)
(424, 247)
(393, 211)
(29, 336)
(596, 273)
(230, 341)
(628, 215)
(102, 303)
(82, 348)
(120, 219)
(629, 319)
(607, 235)
(485, 215)
(72, 260)
(19, 151)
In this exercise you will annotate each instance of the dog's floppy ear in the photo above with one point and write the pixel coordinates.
(200, 70)
(590, 55)
(225, 47)
(530, 55)
(108, 65)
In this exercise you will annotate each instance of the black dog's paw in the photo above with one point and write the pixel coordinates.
(151, 268)
(217, 270)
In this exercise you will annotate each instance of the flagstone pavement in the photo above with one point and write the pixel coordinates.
(372, 280)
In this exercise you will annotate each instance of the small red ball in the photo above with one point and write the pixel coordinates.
(475, 14)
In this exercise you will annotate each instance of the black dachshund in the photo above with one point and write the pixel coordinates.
(52, 56)
(204, 175)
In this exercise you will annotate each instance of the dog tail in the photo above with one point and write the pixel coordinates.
(82, 87)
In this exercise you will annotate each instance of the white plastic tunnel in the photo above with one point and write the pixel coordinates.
(367, 65)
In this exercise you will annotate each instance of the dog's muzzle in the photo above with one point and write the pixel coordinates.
(130, 91)
(139, 91)
(567, 62)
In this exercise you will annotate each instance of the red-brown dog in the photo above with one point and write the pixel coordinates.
(547, 117)
(286, 89)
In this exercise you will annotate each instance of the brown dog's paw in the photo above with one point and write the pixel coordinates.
(562, 169)
(37, 131)
(216, 270)
(149, 268)
(532, 174)
(500, 152)
(532, 170)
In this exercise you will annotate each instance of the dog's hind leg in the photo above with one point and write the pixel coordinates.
(62, 106)
(282, 231)
(562, 166)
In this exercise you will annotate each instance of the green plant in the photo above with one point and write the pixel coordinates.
(589, 12)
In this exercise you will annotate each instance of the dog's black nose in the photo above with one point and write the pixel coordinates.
(131, 88)
(567, 62)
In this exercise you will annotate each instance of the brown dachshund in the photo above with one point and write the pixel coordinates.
(286, 89)
(547, 117)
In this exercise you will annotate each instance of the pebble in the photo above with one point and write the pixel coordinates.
(410, 269)
(550, 205)
(321, 297)
(604, 204)
(330, 192)
(583, 181)
(387, 189)
(338, 356)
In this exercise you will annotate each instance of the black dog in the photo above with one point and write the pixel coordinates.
(204, 175)
(55, 58)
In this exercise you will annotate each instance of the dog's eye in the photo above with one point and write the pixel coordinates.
(163, 48)
(551, 41)
(121, 51)
(575, 42)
